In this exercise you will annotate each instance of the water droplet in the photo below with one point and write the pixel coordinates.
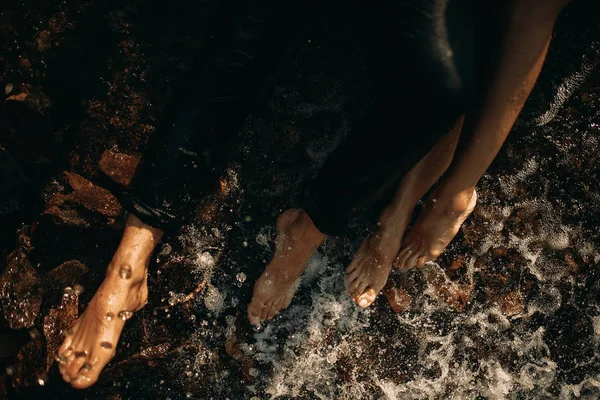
(125, 315)
(78, 288)
(253, 372)
(79, 354)
(268, 282)
(189, 373)
(86, 367)
(106, 345)
(192, 318)
(247, 218)
(188, 395)
(68, 291)
(125, 271)
(61, 359)
(162, 382)
(10, 371)
(109, 316)
(241, 277)
(8, 88)
(42, 380)
(34, 333)
(245, 244)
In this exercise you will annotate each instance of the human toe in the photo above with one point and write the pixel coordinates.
(367, 298)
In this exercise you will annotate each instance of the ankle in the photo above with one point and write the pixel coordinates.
(451, 202)
(298, 225)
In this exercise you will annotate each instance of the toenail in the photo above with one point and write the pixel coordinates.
(363, 302)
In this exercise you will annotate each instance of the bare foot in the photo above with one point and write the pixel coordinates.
(435, 228)
(368, 272)
(90, 344)
(297, 239)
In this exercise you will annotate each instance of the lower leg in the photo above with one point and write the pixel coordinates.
(91, 342)
(297, 240)
(369, 270)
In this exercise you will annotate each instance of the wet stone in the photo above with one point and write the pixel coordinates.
(119, 166)
(58, 321)
(20, 291)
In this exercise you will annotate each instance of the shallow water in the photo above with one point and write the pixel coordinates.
(511, 311)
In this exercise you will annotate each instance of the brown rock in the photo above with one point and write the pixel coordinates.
(87, 205)
(30, 364)
(144, 357)
(120, 167)
(66, 274)
(511, 304)
(20, 291)
(398, 298)
(57, 322)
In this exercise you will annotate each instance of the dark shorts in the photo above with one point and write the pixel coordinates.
(432, 56)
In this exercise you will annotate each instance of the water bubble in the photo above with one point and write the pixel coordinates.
(241, 277)
(125, 315)
(247, 218)
(331, 358)
(68, 291)
(86, 367)
(189, 373)
(245, 244)
(109, 316)
(125, 271)
(205, 259)
(253, 372)
(34, 333)
(106, 345)
(162, 382)
(192, 318)
(78, 289)
(8, 88)
(188, 395)
(10, 371)
(268, 282)
(42, 380)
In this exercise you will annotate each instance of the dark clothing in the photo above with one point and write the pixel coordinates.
(431, 58)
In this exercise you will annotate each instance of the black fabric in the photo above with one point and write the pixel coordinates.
(431, 58)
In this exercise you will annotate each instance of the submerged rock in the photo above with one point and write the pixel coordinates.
(58, 321)
(120, 167)
(85, 206)
(20, 291)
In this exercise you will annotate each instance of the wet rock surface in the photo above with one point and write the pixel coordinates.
(510, 311)
(20, 291)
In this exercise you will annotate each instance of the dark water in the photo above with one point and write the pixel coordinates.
(511, 311)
